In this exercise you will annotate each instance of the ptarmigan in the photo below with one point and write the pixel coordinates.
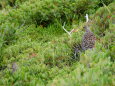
(88, 41)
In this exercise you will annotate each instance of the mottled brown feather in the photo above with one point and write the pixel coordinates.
(88, 41)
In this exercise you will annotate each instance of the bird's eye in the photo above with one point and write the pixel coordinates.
(84, 27)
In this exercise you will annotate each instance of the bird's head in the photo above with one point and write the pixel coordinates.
(86, 28)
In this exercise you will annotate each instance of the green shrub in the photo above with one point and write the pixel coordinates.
(44, 54)
(106, 2)
(93, 69)
(103, 18)
(12, 3)
(42, 12)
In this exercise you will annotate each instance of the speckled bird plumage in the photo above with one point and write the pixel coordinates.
(88, 41)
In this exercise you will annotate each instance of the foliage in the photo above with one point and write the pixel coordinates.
(102, 18)
(31, 35)
(47, 11)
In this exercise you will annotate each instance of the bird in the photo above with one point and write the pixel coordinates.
(88, 39)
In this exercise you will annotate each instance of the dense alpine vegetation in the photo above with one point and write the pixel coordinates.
(36, 51)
